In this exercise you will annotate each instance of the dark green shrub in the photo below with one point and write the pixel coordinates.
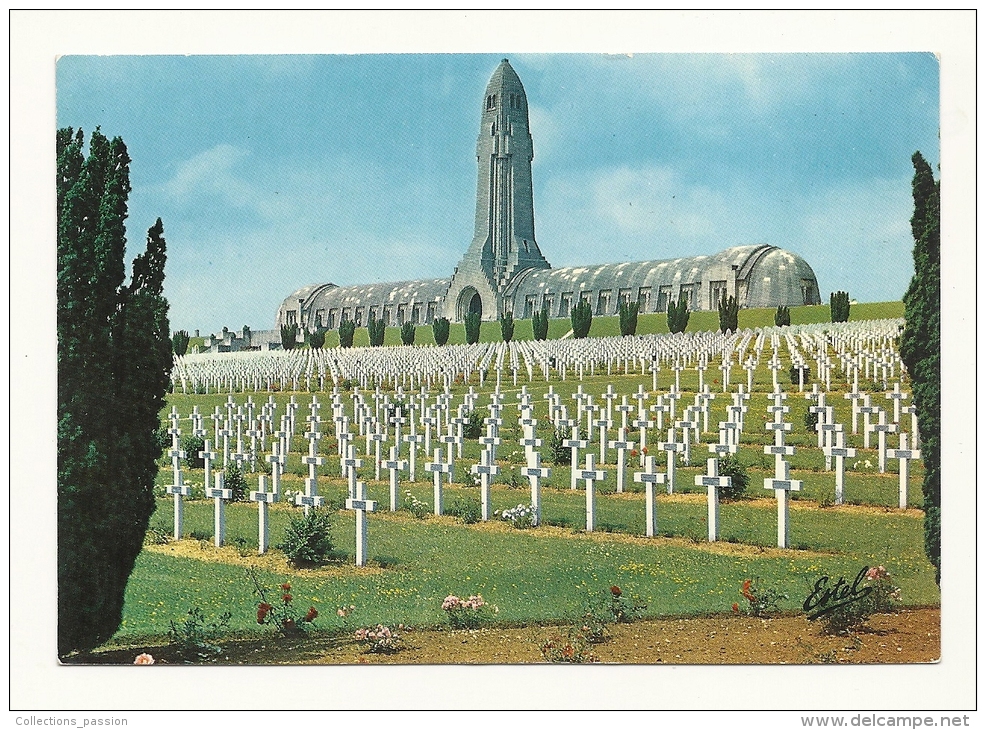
(179, 342)
(782, 317)
(234, 480)
(793, 373)
(811, 421)
(628, 318)
(466, 509)
(473, 322)
(407, 333)
(730, 466)
(540, 325)
(560, 454)
(289, 336)
(839, 306)
(192, 445)
(507, 326)
(473, 429)
(678, 314)
(581, 319)
(440, 328)
(347, 330)
(376, 329)
(728, 314)
(316, 339)
(307, 539)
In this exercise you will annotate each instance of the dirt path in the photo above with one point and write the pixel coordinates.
(909, 636)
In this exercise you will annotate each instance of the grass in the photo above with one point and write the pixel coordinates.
(545, 575)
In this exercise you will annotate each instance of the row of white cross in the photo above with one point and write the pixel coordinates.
(534, 471)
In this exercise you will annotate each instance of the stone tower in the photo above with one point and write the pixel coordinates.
(503, 241)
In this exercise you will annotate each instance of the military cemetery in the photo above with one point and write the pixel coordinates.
(656, 438)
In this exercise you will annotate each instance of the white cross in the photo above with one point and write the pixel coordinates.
(351, 463)
(220, 495)
(622, 446)
(428, 421)
(575, 444)
(535, 473)
(672, 447)
(827, 427)
(840, 452)
(782, 484)
(263, 498)
(712, 481)
(486, 469)
(905, 455)
(313, 460)
(450, 440)
(590, 475)
(277, 463)
(855, 397)
(437, 467)
(867, 410)
(650, 479)
(394, 465)
(882, 428)
(376, 437)
(686, 426)
(625, 409)
(603, 425)
(361, 505)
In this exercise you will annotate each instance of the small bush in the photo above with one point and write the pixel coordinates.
(882, 597)
(678, 314)
(793, 373)
(507, 327)
(522, 516)
(316, 339)
(179, 342)
(407, 333)
(473, 429)
(192, 445)
(379, 639)
(289, 336)
(467, 613)
(730, 466)
(628, 318)
(472, 322)
(728, 314)
(811, 421)
(440, 328)
(347, 330)
(540, 325)
(466, 509)
(307, 539)
(782, 317)
(376, 330)
(610, 607)
(234, 480)
(570, 649)
(193, 638)
(760, 601)
(415, 506)
(839, 306)
(560, 454)
(581, 319)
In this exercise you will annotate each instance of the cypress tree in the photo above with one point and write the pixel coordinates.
(782, 317)
(407, 333)
(920, 344)
(114, 360)
(473, 323)
(440, 328)
(540, 325)
(839, 306)
(289, 336)
(628, 318)
(347, 330)
(678, 314)
(316, 339)
(376, 329)
(507, 326)
(728, 314)
(179, 342)
(581, 319)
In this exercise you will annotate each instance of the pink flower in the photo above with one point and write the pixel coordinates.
(144, 659)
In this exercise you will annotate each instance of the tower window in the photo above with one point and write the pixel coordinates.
(643, 298)
(565, 304)
(717, 290)
(603, 303)
(490, 102)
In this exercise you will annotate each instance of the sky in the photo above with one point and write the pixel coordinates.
(274, 172)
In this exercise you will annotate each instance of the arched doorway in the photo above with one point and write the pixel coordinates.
(469, 302)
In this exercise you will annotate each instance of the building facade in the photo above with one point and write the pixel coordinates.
(503, 269)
